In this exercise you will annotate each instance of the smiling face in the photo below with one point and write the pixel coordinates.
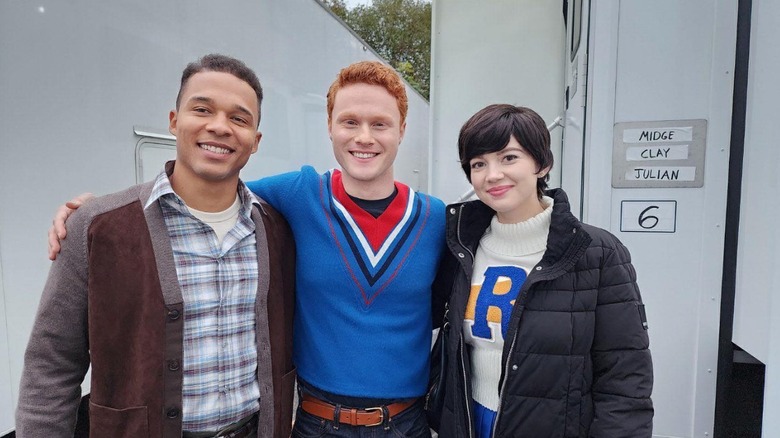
(506, 181)
(366, 129)
(215, 128)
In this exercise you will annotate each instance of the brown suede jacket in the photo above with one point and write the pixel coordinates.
(112, 299)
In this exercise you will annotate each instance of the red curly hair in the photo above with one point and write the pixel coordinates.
(372, 73)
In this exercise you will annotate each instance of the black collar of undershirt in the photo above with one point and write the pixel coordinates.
(375, 207)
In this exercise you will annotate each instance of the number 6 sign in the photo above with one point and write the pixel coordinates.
(648, 216)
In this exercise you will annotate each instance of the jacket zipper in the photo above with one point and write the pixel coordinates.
(463, 354)
(460, 215)
(546, 275)
(526, 287)
(460, 341)
(465, 384)
(503, 385)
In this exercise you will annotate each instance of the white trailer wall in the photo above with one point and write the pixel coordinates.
(667, 60)
(757, 303)
(77, 76)
(484, 53)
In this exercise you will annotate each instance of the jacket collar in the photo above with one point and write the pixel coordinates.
(564, 227)
(468, 221)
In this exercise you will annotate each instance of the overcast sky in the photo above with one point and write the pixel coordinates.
(352, 3)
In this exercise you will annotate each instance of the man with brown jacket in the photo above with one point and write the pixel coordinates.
(178, 292)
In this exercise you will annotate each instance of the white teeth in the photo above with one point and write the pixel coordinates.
(364, 154)
(215, 149)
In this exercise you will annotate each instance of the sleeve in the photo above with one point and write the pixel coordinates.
(442, 287)
(622, 365)
(57, 355)
(278, 190)
(445, 273)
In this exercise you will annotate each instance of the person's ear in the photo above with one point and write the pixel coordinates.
(258, 136)
(172, 119)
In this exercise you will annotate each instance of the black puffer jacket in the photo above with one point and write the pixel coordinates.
(576, 361)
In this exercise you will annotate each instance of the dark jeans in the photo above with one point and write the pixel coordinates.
(410, 423)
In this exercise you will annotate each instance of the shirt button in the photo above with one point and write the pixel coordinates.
(514, 367)
(452, 211)
(172, 413)
(461, 255)
(173, 315)
(173, 365)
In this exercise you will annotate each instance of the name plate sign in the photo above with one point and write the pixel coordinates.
(659, 154)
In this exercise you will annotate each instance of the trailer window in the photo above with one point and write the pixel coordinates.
(576, 27)
(151, 154)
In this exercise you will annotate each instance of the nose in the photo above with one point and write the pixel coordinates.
(219, 124)
(363, 135)
(494, 172)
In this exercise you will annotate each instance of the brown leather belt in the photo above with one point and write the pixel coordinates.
(352, 416)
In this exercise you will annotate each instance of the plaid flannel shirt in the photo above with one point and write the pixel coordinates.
(219, 287)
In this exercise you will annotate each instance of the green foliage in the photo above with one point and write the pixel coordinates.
(399, 31)
(338, 7)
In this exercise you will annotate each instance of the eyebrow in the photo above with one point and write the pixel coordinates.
(358, 115)
(346, 115)
(210, 101)
(511, 149)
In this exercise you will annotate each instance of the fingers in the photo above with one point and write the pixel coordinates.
(54, 244)
(58, 224)
(57, 231)
(78, 201)
(64, 212)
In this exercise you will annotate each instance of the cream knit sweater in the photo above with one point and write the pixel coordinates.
(506, 255)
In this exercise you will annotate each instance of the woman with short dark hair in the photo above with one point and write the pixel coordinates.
(548, 336)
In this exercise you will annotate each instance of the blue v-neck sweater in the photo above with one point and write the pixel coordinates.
(363, 284)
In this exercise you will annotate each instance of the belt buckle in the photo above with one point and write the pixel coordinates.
(381, 415)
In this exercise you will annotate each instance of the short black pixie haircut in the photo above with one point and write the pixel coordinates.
(491, 128)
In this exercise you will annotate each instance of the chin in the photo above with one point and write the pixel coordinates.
(359, 174)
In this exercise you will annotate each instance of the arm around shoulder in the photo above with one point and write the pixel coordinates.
(279, 190)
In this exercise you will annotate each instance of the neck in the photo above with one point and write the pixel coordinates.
(516, 216)
(206, 196)
(379, 188)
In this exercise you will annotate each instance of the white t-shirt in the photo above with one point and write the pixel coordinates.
(222, 221)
